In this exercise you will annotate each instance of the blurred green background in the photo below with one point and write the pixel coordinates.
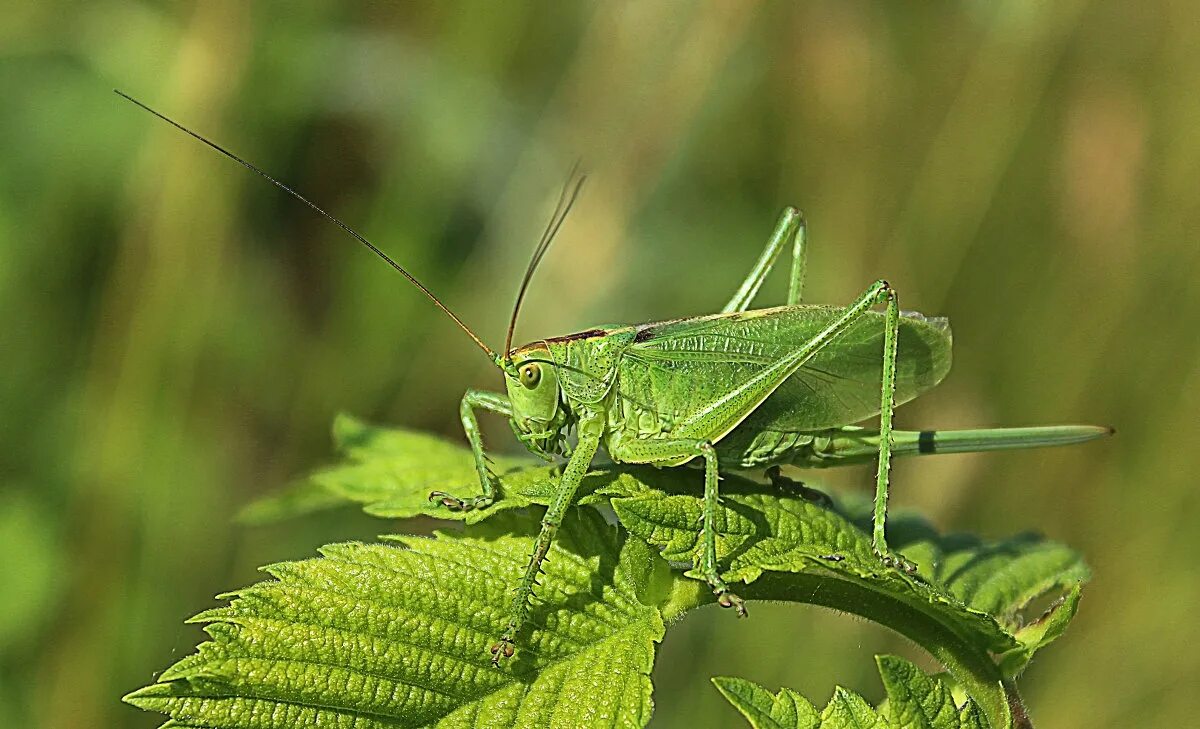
(177, 335)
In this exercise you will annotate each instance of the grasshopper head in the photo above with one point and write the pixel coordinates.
(533, 391)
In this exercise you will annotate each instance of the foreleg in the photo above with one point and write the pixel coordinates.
(590, 429)
(487, 480)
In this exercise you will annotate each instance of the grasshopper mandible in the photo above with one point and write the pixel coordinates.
(740, 390)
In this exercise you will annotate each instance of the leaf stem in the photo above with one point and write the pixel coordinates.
(970, 666)
(1020, 718)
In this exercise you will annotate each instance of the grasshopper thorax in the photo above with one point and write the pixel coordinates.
(538, 416)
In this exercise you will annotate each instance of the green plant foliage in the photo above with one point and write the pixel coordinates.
(914, 701)
(1005, 578)
(764, 710)
(392, 471)
(396, 635)
(978, 589)
(975, 589)
(399, 634)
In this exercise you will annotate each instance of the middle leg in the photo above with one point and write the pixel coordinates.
(671, 451)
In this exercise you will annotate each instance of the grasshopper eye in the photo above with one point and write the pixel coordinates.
(531, 375)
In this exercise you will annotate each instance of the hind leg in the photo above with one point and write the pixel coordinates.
(667, 451)
(790, 228)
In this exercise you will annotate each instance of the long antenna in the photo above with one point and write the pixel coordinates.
(371, 246)
(566, 198)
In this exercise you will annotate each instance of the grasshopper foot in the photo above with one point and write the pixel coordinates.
(503, 650)
(725, 598)
(895, 561)
(729, 600)
(453, 503)
(783, 483)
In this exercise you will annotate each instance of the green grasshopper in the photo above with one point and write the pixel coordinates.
(739, 390)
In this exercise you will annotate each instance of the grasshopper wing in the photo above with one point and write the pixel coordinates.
(690, 363)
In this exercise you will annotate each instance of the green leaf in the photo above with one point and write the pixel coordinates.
(788, 548)
(969, 605)
(1042, 632)
(397, 635)
(1005, 578)
(848, 710)
(914, 701)
(764, 710)
(922, 702)
(978, 589)
(391, 472)
(305, 497)
(760, 532)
